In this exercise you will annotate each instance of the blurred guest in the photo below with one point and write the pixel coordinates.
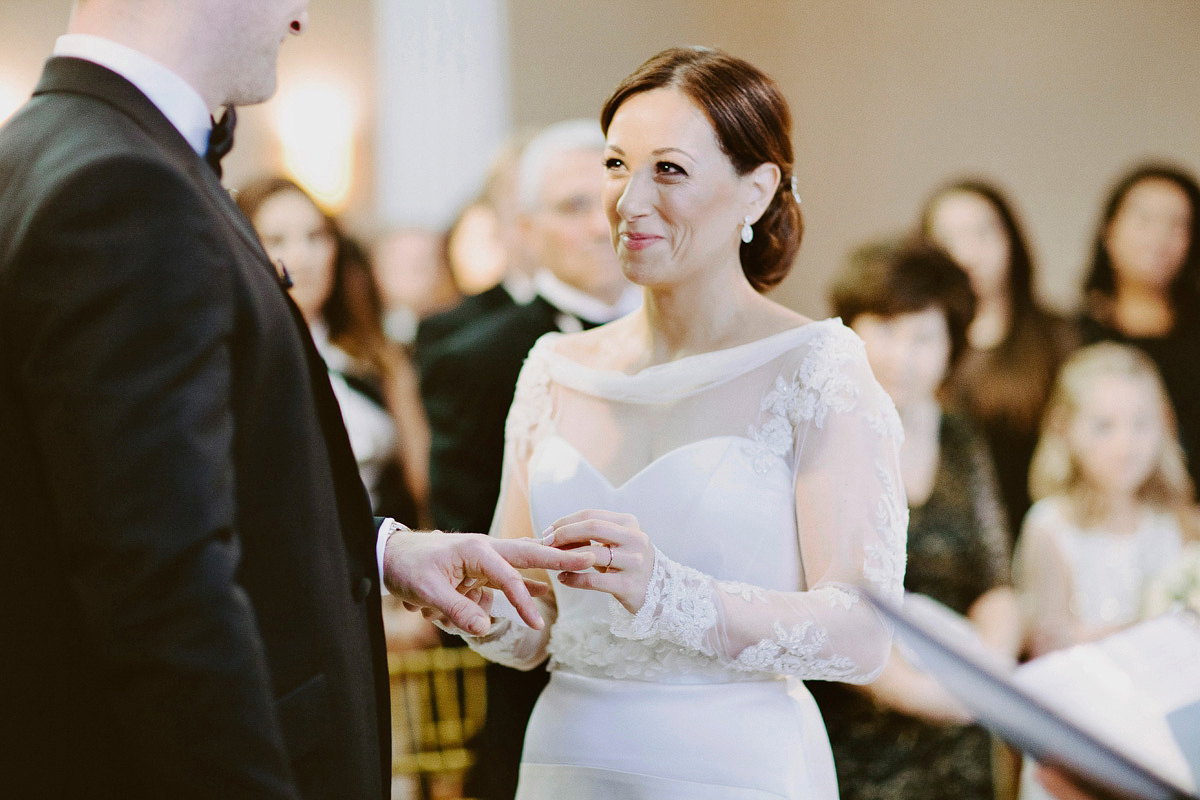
(475, 249)
(1014, 346)
(414, 279)
(1114, 501)
(375, 386)
(904, 736)
(485, 253)
(468, 380)
(1142, 288)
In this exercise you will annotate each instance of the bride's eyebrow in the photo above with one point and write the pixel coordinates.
(659, 152)
(665, 150)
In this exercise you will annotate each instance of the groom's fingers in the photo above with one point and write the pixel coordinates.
(458, 608)
(493, 563)
(529, 554)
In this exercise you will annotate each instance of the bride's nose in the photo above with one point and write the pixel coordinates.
(635, 199)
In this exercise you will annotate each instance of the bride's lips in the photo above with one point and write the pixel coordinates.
(639, 241)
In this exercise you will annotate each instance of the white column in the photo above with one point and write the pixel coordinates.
(444, 105)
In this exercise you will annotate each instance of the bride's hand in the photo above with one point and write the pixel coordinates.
(624, 554)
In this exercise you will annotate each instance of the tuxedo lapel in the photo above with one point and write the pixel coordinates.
(79, 76)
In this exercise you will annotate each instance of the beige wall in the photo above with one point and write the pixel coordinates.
(890, 97)
(1051, 97)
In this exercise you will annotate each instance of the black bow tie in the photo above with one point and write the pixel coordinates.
(220, 141)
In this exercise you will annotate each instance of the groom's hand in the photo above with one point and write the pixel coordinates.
(446, 572)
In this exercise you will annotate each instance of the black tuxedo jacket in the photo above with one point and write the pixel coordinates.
(189, 606)
(434, 329)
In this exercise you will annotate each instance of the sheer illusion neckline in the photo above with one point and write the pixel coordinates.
(679, 378)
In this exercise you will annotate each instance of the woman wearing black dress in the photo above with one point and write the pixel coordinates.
(1143, 287)
(903, 736)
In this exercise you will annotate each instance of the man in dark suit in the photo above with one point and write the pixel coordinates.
(516, 289)
(436, 327)
(469, 379)
(191, 606)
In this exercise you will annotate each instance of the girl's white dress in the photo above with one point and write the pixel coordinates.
(767, 477)
(1076, 581)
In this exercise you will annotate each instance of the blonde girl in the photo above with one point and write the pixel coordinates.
(1113, 499)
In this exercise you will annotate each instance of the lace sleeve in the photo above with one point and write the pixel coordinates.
(843, 435)
(509, 641)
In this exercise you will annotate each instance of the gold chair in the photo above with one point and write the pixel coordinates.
(438, 704)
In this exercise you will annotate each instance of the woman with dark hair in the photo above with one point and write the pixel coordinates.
(335, 291)
(1143, 287)
(732, 464)
(1014, 345)
(904, 736)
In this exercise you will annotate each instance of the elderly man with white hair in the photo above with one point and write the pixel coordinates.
(468, 381)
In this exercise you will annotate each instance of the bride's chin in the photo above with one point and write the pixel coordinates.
(642, 272)
(636, 274)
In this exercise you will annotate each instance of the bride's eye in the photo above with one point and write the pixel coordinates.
(613, 163)
(669, 169)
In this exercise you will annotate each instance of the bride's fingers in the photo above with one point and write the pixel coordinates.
(587, 531)
(537, 588)
(617, 517)
(597, 581)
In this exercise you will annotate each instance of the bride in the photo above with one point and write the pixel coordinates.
(732, 464)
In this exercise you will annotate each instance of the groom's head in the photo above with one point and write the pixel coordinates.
(226, 49)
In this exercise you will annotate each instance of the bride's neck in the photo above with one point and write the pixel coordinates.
(698, 316)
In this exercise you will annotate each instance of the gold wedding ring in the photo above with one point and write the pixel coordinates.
(610, 559)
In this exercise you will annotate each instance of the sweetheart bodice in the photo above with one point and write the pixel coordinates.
(703, 504)
(765, 476)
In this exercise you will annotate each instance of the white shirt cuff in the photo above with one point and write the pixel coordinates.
(388, 527)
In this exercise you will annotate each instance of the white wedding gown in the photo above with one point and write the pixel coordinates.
(766, 475)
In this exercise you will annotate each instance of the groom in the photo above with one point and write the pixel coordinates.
(191, 600)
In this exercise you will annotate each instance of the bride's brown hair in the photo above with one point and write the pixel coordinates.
(753, 126)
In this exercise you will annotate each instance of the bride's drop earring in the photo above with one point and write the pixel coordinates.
(747, 231)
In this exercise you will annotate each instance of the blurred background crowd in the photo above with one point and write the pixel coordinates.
(1000, 199)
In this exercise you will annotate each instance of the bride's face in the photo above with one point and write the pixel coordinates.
(673, 199)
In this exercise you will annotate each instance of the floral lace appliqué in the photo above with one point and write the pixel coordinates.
(838, 597)
(743, 591)
(678, 608)
(500, 644)
(884, 567)
(795, 652)
(883, 418)
(529, 417)
(821, 384)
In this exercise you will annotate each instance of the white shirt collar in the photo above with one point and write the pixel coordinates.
(519, 287)
(172, 95)
(568, 298)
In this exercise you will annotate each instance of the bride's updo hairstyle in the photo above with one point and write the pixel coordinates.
(753, 125)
